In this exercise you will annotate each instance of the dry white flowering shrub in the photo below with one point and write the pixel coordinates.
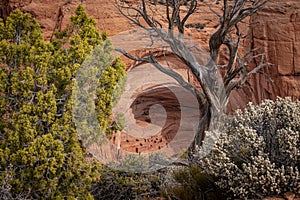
(258, 153)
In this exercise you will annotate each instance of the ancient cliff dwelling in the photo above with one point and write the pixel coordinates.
(150, 99)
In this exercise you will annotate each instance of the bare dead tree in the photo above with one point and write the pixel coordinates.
(238, 67)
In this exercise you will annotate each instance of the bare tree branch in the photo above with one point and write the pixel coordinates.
(169, 71)
(228, 33)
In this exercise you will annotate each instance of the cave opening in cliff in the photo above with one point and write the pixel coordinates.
(159, 106)
(159, 117)
(160, 114)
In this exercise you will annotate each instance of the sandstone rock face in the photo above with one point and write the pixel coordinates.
(160, 115)
(277, 32)
(54, 15)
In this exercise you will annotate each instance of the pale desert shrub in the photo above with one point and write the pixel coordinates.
(258, 152)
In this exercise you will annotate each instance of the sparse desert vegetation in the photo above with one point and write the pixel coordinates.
(42, 156)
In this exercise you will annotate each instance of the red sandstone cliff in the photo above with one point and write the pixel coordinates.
(278, 33)
(276, 30)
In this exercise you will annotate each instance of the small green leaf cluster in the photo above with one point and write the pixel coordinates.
(111, 86)
(258, 153)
